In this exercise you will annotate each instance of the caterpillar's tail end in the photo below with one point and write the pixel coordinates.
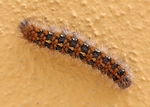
(24, 28)
(23, 24)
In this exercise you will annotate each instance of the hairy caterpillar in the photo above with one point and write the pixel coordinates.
(70, 43)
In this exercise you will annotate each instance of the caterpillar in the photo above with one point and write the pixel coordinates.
(70, 43)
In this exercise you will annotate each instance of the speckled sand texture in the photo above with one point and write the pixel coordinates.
(37, 77)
